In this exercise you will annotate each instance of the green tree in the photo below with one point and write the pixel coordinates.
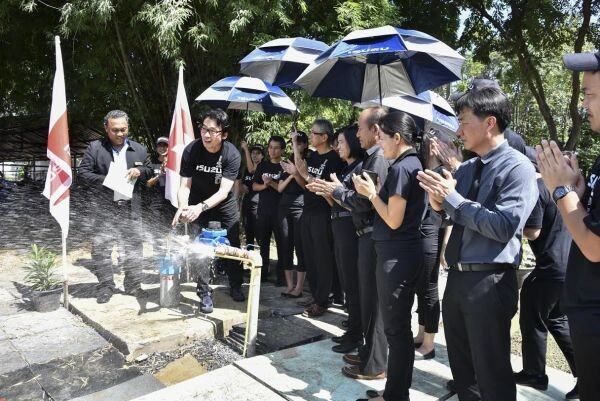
(533, 34)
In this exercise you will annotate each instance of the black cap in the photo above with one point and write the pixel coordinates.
(301, 137)
(476, 84)
(259, 147)
(582, 61)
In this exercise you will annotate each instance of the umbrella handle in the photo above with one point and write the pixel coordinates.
(294, 120)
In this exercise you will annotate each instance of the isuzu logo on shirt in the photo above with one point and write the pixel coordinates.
(317, 172)
(208, 169)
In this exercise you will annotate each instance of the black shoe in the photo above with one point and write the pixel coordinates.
(429, 355)
(535, 381)
(373, 393)
(450, 385)
(573, 394)
(346, 347)
(237, 295)
(104, 295)
(339, 339)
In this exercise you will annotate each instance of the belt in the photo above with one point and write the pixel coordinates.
(481, 267)
(337, 215)
(122, 202)
(364, 230)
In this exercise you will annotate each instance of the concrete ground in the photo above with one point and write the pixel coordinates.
(58, 355)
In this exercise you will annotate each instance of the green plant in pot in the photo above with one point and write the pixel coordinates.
(42, 277)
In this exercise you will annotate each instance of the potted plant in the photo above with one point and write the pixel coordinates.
(41, 276)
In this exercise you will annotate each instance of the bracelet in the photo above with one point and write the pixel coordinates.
(370, 197)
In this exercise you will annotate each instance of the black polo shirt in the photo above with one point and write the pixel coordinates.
(402, 180)
(268, 199)
(551, 248)
(582, 281)
(320, 166)
(207, 170)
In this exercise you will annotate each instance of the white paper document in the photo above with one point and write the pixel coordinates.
(116, 179)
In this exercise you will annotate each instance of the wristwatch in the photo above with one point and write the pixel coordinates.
(560, 192)
(204, 207)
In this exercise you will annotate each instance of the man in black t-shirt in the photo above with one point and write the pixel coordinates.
(540, 310)
(209, 168)
(579, 206)
(317, 239)
(266, 178)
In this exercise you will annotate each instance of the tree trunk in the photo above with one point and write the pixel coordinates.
(132, 84)
(575, 131)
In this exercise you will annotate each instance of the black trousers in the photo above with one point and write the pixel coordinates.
(428, 299)
(477, 310)
(291, 238)
(124, 225)
(234, 269)
(249, 220)
(317, 244)
(373, 354)
(585, 333)
(345, 243)
(399, 264)
(269, 224)
(539, 314)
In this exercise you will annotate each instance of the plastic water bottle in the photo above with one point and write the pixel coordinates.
(169, 283)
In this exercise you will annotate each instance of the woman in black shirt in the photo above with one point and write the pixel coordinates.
(290, 212)
(345, 240)
(400, 206)
(254, 156)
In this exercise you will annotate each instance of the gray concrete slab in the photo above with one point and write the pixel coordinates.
(227, 383)
(58, 343)
(20, 385)
(313, 372)
(10, 359)
(31, 323)
(278, 332)
(125, 391)
(85, 373)
(141, 326)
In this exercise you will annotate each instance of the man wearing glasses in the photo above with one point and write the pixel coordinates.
(209, 168)
(315, 226)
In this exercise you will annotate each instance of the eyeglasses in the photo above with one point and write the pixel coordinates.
(211, 131)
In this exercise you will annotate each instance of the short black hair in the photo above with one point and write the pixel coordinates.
(219, 116)
(402, 123)
(279, 139)
(487, 102)
(114, 114)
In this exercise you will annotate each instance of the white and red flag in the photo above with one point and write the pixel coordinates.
(182, 133)
(59, 177)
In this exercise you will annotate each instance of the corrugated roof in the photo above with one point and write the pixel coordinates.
(26, 138)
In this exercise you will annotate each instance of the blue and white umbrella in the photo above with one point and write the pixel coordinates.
(250, 94)
(429, 109)
(280, 61)
(381, 62)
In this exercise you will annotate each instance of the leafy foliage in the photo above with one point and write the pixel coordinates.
(125, 54)
(41, 269)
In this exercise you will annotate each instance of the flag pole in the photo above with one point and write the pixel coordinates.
(65, 275)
